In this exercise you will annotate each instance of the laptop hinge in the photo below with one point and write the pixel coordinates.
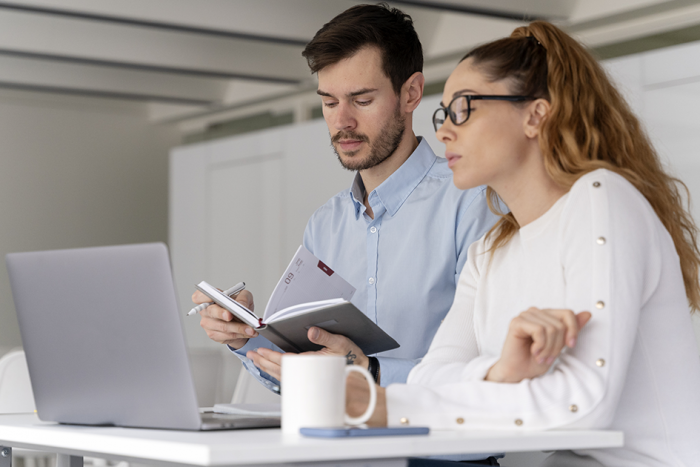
(5, 456)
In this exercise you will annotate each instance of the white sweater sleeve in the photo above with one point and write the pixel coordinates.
(608, 242)
(454, 344)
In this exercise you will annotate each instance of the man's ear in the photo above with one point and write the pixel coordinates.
(538, 111)
(412, 92)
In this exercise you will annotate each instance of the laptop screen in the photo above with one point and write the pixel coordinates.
(102, 334)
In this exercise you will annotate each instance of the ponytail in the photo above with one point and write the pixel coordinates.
(589, 126)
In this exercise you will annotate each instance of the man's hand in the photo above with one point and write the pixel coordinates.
(335, 344)
(535, 339)
(220, 325)
(357, 400)
(270, 361)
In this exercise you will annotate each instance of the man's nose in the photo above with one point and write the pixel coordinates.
(344, 118)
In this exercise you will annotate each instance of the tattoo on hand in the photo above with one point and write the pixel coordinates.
(350, 358)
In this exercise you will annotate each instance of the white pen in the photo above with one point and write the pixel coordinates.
(232, 291)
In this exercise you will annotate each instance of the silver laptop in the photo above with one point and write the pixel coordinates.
(104, 342)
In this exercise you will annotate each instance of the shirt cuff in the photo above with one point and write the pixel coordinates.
(265, 379)
(394, 370)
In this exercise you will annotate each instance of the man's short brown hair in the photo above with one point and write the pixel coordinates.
(388, 29)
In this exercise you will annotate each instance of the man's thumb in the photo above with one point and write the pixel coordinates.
(318, 336)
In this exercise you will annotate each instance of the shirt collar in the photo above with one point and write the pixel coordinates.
(357, 194)
(394, 191)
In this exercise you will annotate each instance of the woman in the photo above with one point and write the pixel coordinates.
(594, 225)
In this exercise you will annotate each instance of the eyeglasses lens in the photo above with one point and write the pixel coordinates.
(459, 110)
(439, 118)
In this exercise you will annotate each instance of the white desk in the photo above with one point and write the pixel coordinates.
(270, 447)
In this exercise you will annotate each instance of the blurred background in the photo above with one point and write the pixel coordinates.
(196, 123)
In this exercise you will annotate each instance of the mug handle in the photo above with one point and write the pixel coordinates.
(372, 396)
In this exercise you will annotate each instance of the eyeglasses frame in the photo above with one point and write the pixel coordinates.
(470, 98)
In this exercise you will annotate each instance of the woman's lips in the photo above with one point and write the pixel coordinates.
(452, 158)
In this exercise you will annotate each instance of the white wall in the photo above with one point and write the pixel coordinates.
(77, 172)
(663, 88)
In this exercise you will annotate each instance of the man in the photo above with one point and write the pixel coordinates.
(400, 233)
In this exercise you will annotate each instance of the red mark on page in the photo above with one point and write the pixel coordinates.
(325, 268)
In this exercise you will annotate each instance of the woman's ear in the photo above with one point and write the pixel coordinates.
(538, 111)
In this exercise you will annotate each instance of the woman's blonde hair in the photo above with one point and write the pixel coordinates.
(589, 126)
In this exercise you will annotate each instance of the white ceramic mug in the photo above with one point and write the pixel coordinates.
(313, 392)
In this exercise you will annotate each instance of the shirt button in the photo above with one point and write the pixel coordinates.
(518, 422)
(600, 362)
(404, 421)
(373, 229)
(600, 305)
(573, 408)
(460, 420)
(371, 281)
(601, 240)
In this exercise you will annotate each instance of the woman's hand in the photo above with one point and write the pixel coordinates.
(357, 400)
(535, 339)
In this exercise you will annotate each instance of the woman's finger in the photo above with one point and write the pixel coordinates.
(569, 319)
(554, 336)
(567, 329)
(573, 322)
(582, 319)
(528, 326)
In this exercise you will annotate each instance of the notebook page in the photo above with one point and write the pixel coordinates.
(306, 279)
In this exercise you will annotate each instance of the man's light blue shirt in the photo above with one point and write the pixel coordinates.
(405, 262)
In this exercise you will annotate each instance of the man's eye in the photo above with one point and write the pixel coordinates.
(330, 104)
(363, 102)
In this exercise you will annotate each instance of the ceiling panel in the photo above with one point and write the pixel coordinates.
(135, 45)
(514, 9)
(220, 55)
(41, 75)
(287, 20)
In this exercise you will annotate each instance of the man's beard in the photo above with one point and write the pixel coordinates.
(381, 149)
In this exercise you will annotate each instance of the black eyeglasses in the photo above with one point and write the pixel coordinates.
(461, 107)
